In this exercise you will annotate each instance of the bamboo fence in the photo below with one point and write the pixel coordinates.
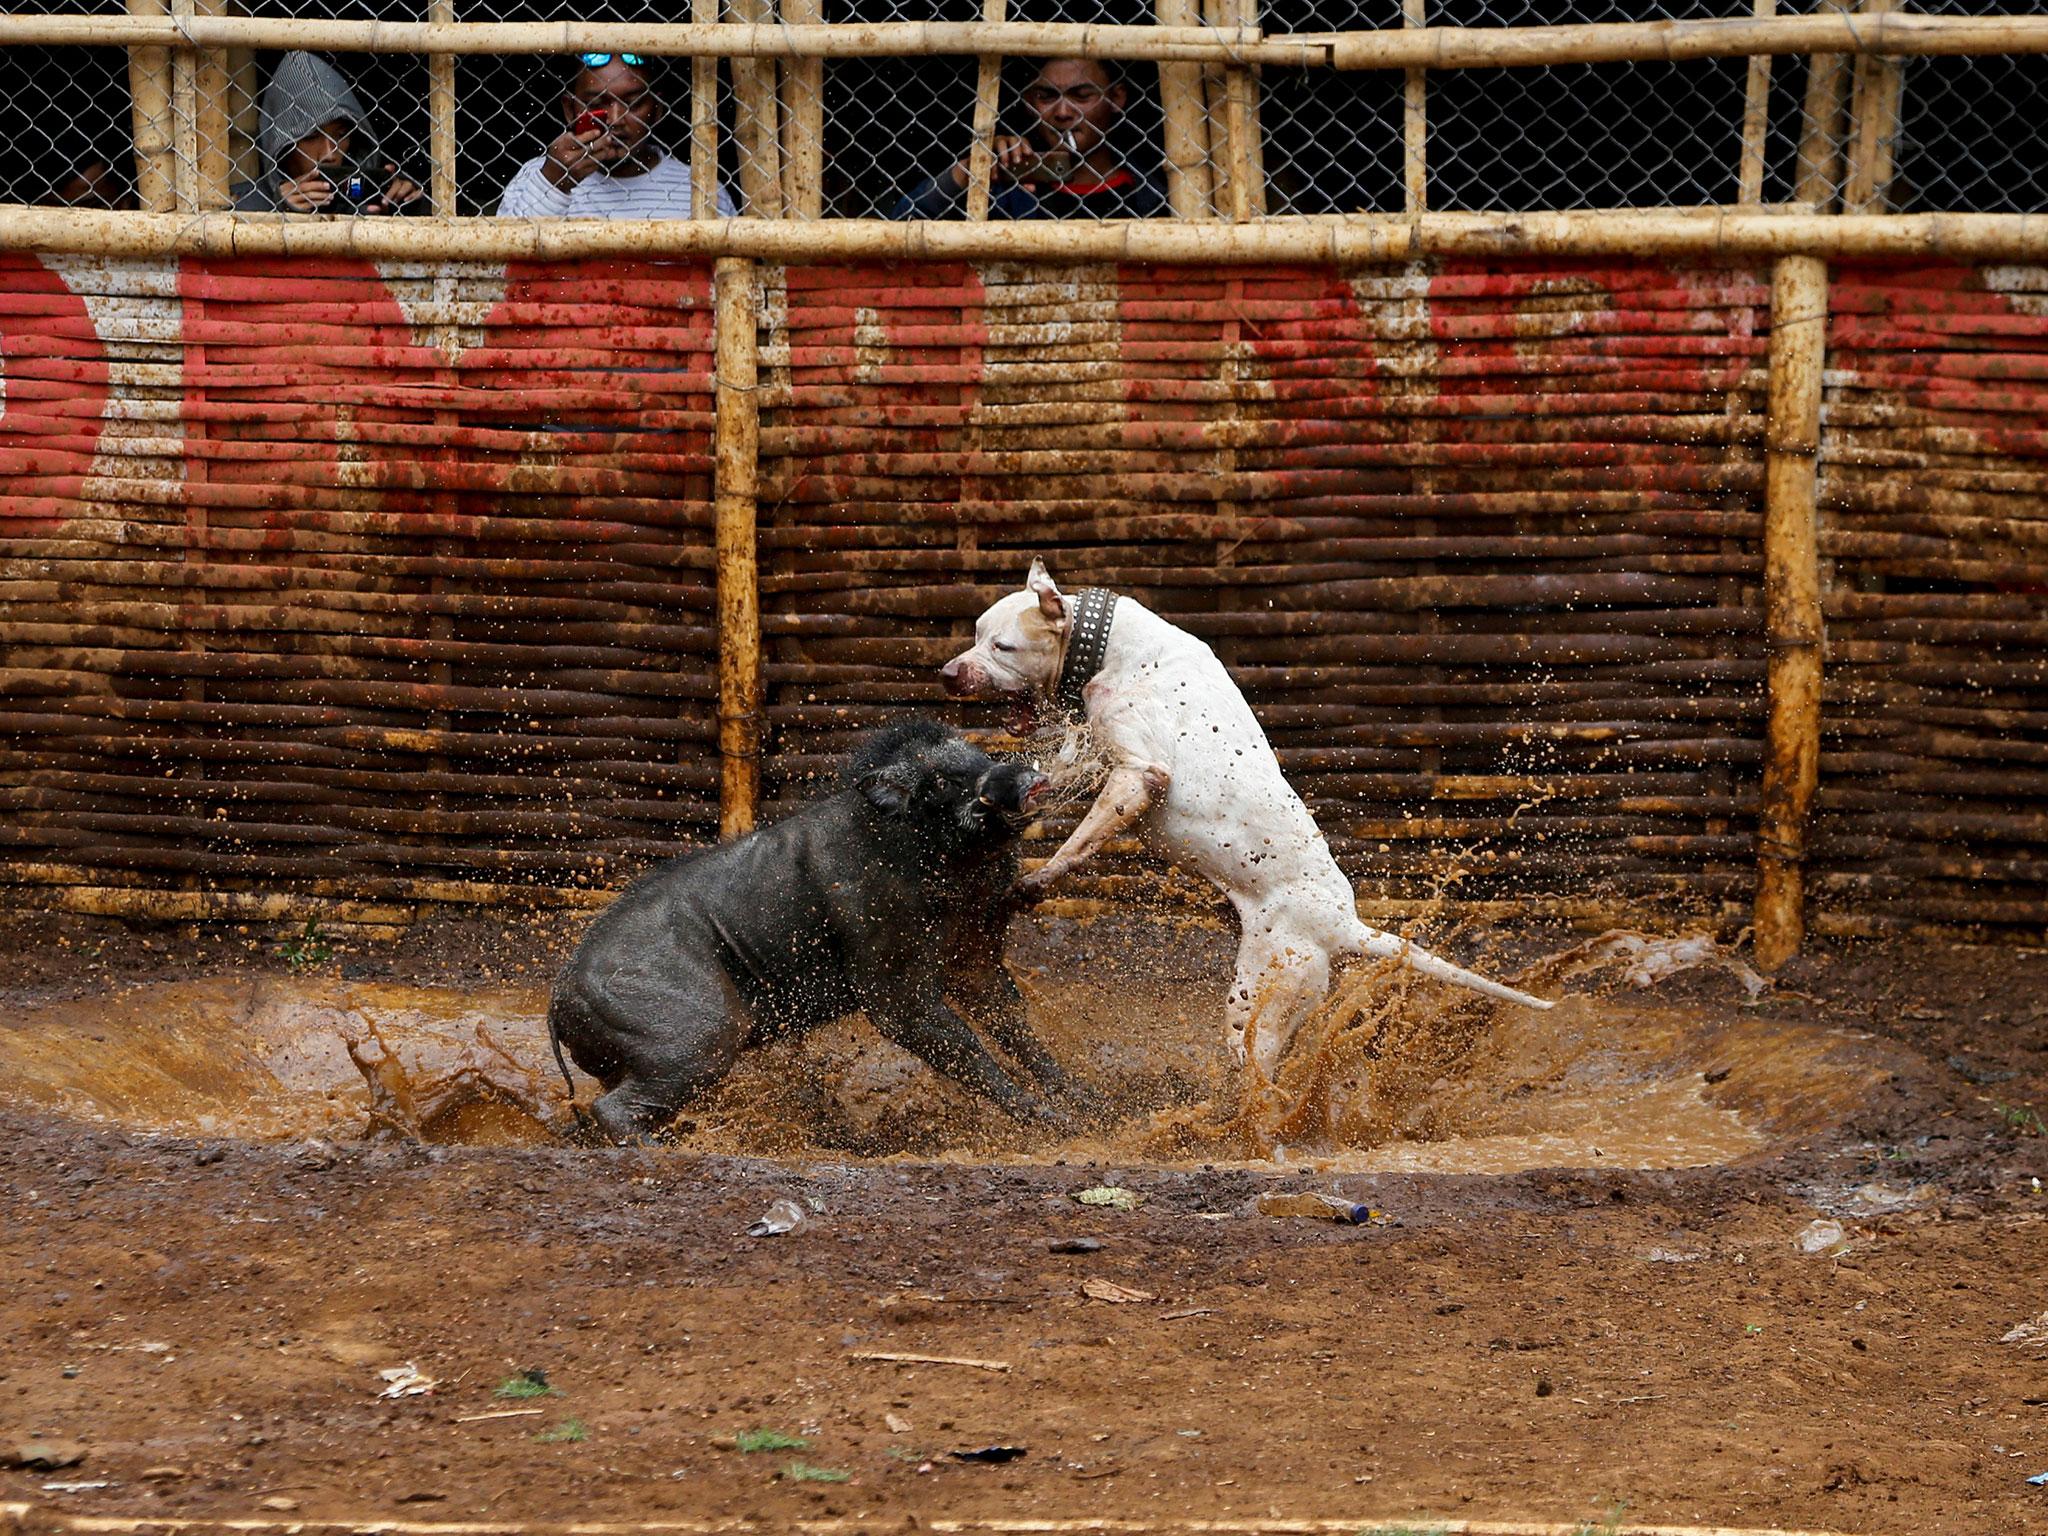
(1590, 562)
(183, 54)
(438, 582)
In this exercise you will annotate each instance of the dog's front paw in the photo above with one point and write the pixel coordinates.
(1030, 889)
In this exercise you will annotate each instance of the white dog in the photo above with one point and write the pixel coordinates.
(1185, 753)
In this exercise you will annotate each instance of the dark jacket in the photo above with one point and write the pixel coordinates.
(304, 92)
(1127, 194)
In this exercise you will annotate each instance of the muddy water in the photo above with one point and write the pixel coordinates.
(1393, 1074)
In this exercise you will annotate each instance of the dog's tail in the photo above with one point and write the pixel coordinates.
(1389, 946)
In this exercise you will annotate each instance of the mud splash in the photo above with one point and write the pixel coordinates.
(1394, 1073)
(272, 1058)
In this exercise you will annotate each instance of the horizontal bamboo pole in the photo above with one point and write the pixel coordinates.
(687, 39)
(1394, 48)
(1355, 240)
(1636, 41)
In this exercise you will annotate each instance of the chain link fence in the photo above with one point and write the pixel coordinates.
(863, 137)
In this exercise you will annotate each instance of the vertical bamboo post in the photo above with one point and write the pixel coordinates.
(1819, 174)
(214, 167)
(803, 122)
(1190, 188)
(1254, 131)
(441, 119)
(1415, 122)
(1793, 621)
(988, 87)
(149, 87)
(1242, 193)
(753, 85)
(1873, 125)
(1216, 111)
(1756, 116)
(245, 149)
(739, 588)
(185, 117)
(703, 123)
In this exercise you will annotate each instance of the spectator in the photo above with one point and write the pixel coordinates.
(93, 179)
(607, 162)
(309, 126)
(1065, 167)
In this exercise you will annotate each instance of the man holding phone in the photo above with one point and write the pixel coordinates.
(607, 162)
(314, 160)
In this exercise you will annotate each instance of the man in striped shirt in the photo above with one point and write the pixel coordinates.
(607, 163)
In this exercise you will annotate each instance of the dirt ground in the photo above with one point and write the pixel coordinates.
(202, 1319)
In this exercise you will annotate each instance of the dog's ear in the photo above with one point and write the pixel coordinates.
(1051, 602)
(893, 786)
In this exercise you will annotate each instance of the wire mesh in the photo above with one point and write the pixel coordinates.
(863, 137)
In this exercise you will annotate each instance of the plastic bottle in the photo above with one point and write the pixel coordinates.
(1321, 1207)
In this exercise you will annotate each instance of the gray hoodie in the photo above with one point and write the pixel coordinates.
(304, 93)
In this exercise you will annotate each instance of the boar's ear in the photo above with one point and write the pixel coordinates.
(1051, 601)
(892, 787)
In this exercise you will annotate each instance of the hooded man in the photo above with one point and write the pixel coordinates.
(310, 122)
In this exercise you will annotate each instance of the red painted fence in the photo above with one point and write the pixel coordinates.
(326, 579)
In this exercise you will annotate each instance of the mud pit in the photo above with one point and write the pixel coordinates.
(1394, 1075)
(223, 1226)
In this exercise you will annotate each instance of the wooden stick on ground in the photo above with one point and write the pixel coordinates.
(980, 1365)
(1799, 305)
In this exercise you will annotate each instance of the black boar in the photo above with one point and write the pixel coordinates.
(879, 899)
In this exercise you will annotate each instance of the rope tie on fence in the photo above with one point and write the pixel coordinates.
(1229, 47)
(1780, 850)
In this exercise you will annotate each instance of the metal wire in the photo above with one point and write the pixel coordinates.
(1923, 134)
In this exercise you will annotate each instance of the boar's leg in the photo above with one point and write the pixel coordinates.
(919, 1020)
(671, 1034)
(988, 995)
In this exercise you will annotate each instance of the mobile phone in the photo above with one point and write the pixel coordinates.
(594, 119)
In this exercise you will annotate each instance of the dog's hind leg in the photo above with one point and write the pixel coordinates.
(1126, 795)
(1281, 976)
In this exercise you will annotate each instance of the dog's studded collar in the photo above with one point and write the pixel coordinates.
(1094, 610)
